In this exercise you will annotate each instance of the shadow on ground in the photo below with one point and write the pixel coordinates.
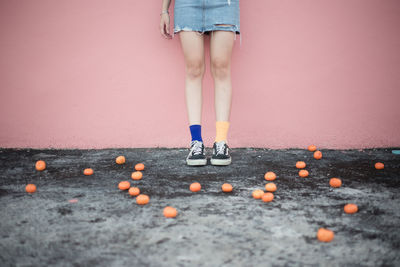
(106, 226)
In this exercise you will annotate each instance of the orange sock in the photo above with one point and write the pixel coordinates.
(222, 130)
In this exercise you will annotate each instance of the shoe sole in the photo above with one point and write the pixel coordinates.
(196, 162)
(221, 162)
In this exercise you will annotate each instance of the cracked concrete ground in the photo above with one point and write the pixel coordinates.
(107, 228)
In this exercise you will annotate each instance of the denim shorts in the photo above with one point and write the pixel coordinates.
(203, 16)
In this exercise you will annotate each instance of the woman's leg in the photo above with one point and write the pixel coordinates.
(193, 50)
(221, 45)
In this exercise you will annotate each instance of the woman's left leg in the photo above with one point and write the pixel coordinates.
(221, 46)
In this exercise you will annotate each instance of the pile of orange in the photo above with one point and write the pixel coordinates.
(141, 199)
(269, 187)
(323, 234)
(264, 196)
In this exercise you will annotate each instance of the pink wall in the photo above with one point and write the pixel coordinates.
(97, 74)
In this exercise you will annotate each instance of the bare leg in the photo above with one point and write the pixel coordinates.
(193, 50)
(221, 45)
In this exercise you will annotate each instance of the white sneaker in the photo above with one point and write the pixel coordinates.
(196, 155)
(220, 155)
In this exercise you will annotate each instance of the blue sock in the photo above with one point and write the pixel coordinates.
(195, 130)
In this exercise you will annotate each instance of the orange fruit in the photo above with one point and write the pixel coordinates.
(379, 165)
(350, 208)
(195, 187)
(139, 167)
(270, 176)
(325, 235)
(267, 197)
(312, 148)
(257, 194)
(134, 191)
(317, 154)
(303, 173)
(124, 185)
(335, 182)
(300, 164)
(142, 199)
(227, 188)
(270, 187)
(40, 165)
(120, 160)
(170, 212)
(137, 175)
(88, 171)
(30, 188)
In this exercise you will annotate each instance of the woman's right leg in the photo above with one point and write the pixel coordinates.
(193, 50)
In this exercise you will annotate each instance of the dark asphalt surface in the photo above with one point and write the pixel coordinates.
(107, 228)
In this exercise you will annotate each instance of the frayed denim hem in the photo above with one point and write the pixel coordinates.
(215, 27)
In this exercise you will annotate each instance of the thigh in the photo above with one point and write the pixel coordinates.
(192, 44)
(222, 12)
(221, 46)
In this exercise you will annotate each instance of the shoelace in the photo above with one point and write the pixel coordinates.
(220, 148)
(196, 148)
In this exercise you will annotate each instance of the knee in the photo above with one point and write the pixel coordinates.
(195, 69)
(220, 68)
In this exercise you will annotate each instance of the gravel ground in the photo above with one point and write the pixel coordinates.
(106, 227)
